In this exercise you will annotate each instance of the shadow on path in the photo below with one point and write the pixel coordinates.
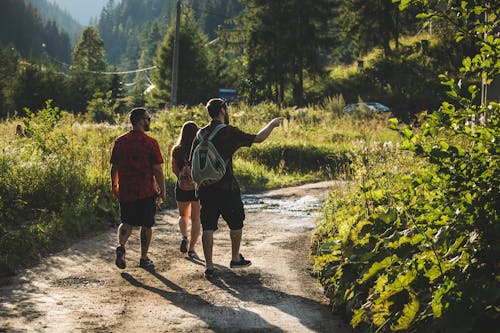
(203, 309)
(250, 288)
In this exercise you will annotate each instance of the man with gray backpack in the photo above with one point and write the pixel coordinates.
(212, 169)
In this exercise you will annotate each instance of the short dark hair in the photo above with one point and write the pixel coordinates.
(214, 106)
(136, 115)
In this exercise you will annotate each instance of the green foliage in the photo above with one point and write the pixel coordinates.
(306, 158)
(270, 28)
(53, 187)
(22, 27)
(417, 250)
(196, 66)
(54, 180)
(88, 58)
(369, 24)
(122, 23)
(105, 108)
(50, 11)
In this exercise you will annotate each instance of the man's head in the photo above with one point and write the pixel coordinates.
(215, 106)
(140, 119)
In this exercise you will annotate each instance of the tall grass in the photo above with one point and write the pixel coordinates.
(54, 181)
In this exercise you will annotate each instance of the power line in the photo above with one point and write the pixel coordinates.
(118, 73)
(70, 67)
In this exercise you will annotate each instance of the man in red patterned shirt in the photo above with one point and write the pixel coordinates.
(137, 181)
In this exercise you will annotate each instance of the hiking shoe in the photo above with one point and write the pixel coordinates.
(209, 273)
(120, 257)
(184, 244)
(193, 255)
(146, 263)
(240, 263)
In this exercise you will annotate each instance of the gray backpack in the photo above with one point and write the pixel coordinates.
(207, 166)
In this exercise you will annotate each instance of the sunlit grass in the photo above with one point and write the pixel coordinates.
(54, 182)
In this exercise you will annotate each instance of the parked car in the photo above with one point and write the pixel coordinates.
(367, 107)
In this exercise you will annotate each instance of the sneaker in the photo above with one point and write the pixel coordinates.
(240, 263)
(193, 255)
(209, 273)
(184, 244)
(120, 257)
(146, 263)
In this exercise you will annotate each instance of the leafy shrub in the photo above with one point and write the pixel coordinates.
(52, 188)
(417, 251)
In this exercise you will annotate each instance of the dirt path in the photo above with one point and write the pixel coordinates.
(80, 289)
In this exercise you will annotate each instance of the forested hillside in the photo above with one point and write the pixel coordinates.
(52, 12)
(292, 53)
(124, 25)
(22, 27)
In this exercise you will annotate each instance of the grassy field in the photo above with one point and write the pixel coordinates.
(54, 183)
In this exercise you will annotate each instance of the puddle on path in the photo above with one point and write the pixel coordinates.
(292, 212)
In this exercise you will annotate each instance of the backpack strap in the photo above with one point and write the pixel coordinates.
(215, 131)
(200, 137)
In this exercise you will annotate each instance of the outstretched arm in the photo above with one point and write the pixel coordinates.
(266, 130)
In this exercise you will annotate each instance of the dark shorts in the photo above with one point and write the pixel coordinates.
(217, 202)
(139, 213)
(184, 196)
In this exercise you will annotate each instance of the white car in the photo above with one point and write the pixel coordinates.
(367, 106)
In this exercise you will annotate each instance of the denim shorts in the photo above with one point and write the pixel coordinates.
(139, 213)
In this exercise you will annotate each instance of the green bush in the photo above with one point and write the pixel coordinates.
(51, 191)
(416, 250)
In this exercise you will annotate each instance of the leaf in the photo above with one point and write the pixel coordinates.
(388, 216)
(378, 195)
(407, 132)
(381, 282)
(357, 317)
(328, 247)
(437, 298)
(433, 273)
(410, 310)
(377, 266)
(455, 246)
(393, 123)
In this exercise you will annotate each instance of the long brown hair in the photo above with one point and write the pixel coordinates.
(182, 148)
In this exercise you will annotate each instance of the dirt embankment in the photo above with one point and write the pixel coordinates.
(80, 289)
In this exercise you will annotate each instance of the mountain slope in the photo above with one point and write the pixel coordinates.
(51, 11)
(124, 24)
(22, 27)
(84, 11)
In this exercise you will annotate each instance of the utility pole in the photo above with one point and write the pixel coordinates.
(175, 60)
(484, 79)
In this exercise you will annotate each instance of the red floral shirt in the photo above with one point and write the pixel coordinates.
(135, 153)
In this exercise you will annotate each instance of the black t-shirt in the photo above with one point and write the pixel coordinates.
(227, 141)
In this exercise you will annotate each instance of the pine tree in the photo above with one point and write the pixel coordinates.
(282, 42)
(88, 60)
(196, 65)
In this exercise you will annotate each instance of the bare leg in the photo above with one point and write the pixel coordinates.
(207, 240)
(146, 234)
(235, 243)
(124, 232)
(195, 224)
(184, 212)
